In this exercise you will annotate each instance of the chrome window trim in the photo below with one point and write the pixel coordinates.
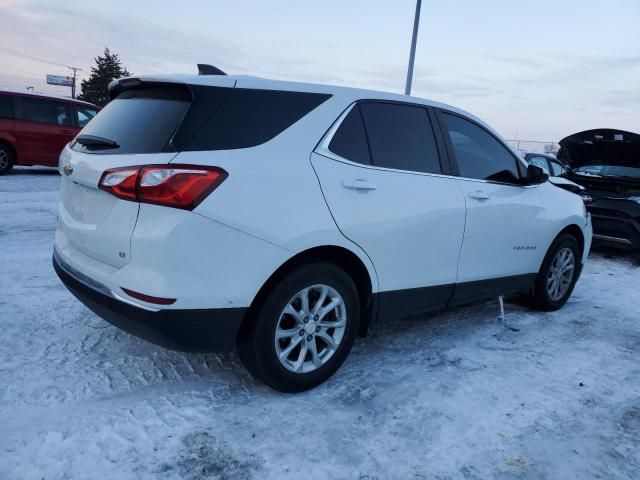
(323, 150)
(493, 182)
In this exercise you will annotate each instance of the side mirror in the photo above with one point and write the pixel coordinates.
(536, 175)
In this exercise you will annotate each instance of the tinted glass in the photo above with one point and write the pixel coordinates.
(350, 140)
(247, 118)
(479, 154)
(6, 106)
(84, 115)
(400, 136)
(206, 100)
(557, 169)
(140, 121)
(44, 111)
(608, 171)
(540, 162)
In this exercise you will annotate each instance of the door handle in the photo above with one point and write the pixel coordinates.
(358, 184)
(68, 132)
(479, 195)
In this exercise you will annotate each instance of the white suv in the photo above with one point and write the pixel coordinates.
(208, 212)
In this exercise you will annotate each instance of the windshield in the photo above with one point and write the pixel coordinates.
(609, 171)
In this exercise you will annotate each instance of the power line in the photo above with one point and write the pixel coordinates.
(21, 86)
(20, 70)
(38, 59)
(13, 84)
(30, 57)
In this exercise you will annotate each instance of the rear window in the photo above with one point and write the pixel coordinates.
(140, 120)
(168, 118)
(247, 118)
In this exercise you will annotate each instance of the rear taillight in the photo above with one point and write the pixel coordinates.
(121, 182)
(177, 186)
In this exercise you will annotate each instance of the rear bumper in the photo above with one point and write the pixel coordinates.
(194, 330)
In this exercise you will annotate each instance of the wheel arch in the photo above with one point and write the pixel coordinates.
(575, 231)
(344, 258)
(4, 141)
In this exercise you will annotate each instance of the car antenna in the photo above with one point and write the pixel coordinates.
(205, 69)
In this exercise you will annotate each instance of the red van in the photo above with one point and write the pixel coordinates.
(35, 128)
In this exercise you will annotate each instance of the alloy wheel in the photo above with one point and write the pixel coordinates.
(4, 159)
(561, 274)
(310, 328)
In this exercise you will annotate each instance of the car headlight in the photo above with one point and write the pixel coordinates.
(635, 199)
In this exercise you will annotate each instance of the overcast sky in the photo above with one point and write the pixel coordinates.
(542, 68)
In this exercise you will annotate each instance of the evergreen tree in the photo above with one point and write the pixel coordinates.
(108, 68)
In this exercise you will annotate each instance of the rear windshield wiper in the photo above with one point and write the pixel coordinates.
(95, 141)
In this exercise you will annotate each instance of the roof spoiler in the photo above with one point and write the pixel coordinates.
(205, 69)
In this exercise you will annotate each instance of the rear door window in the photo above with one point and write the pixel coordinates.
(139, 120)
(478, 153)
(6, 106)
(45, 111)
(247, 118)
(350, 139)
(400, 137)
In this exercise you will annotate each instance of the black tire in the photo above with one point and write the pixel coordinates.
(7, 159)
(540, 298)
(256, 341)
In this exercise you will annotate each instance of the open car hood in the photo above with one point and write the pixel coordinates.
(602, 146)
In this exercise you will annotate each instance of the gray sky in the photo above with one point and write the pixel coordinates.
(542, 68)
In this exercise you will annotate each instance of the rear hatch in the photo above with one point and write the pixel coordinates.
(141, 125)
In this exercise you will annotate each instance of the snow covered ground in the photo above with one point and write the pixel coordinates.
(457, 395)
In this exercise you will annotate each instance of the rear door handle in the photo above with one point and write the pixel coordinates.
(358, 184)
(479, 195)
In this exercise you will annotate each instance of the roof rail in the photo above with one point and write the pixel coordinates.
(205, 69)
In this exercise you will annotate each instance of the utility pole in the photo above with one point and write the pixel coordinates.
(73, 86)
(412, 54)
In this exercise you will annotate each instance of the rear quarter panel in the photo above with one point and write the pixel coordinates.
(272, 191)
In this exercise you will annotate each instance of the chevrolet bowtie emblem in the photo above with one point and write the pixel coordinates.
(67, 170)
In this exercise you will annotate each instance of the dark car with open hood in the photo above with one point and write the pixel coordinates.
(607, 163)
